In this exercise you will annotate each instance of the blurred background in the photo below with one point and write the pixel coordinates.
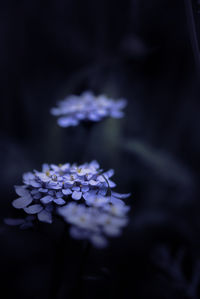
(148, 53)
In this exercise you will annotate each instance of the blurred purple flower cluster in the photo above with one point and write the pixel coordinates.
(95, 222)
(87, 107)
(81, 194)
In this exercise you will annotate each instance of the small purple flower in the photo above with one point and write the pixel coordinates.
(87, 107)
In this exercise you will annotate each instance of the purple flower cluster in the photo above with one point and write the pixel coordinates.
(103, 217)
(87, 107)
(81, 194)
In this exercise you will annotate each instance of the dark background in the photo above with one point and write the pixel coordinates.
(147, 52)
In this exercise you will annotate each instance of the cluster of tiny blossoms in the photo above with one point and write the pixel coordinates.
(81, 194)
(87, 107)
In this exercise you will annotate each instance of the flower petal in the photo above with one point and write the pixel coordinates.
(93, 183)
(59, 201)
(120, 195)
(116, 114)
(111, 184)
(34, 209)
(34, 184)
(28, 176)
(21, 190)
(44, 190)
(76, 188)
(85, 189)
(94, 164)
(46, 199)
(45, 167)
(22, 202)
(67, 121)
(76, 195)
(45, 216)
(59, 194)
(94, 116)
(37, 196)
(66, 191)
(53, 185)
(108, 174)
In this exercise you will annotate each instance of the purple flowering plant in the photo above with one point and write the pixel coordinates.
(81, 194)
(87, 107)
